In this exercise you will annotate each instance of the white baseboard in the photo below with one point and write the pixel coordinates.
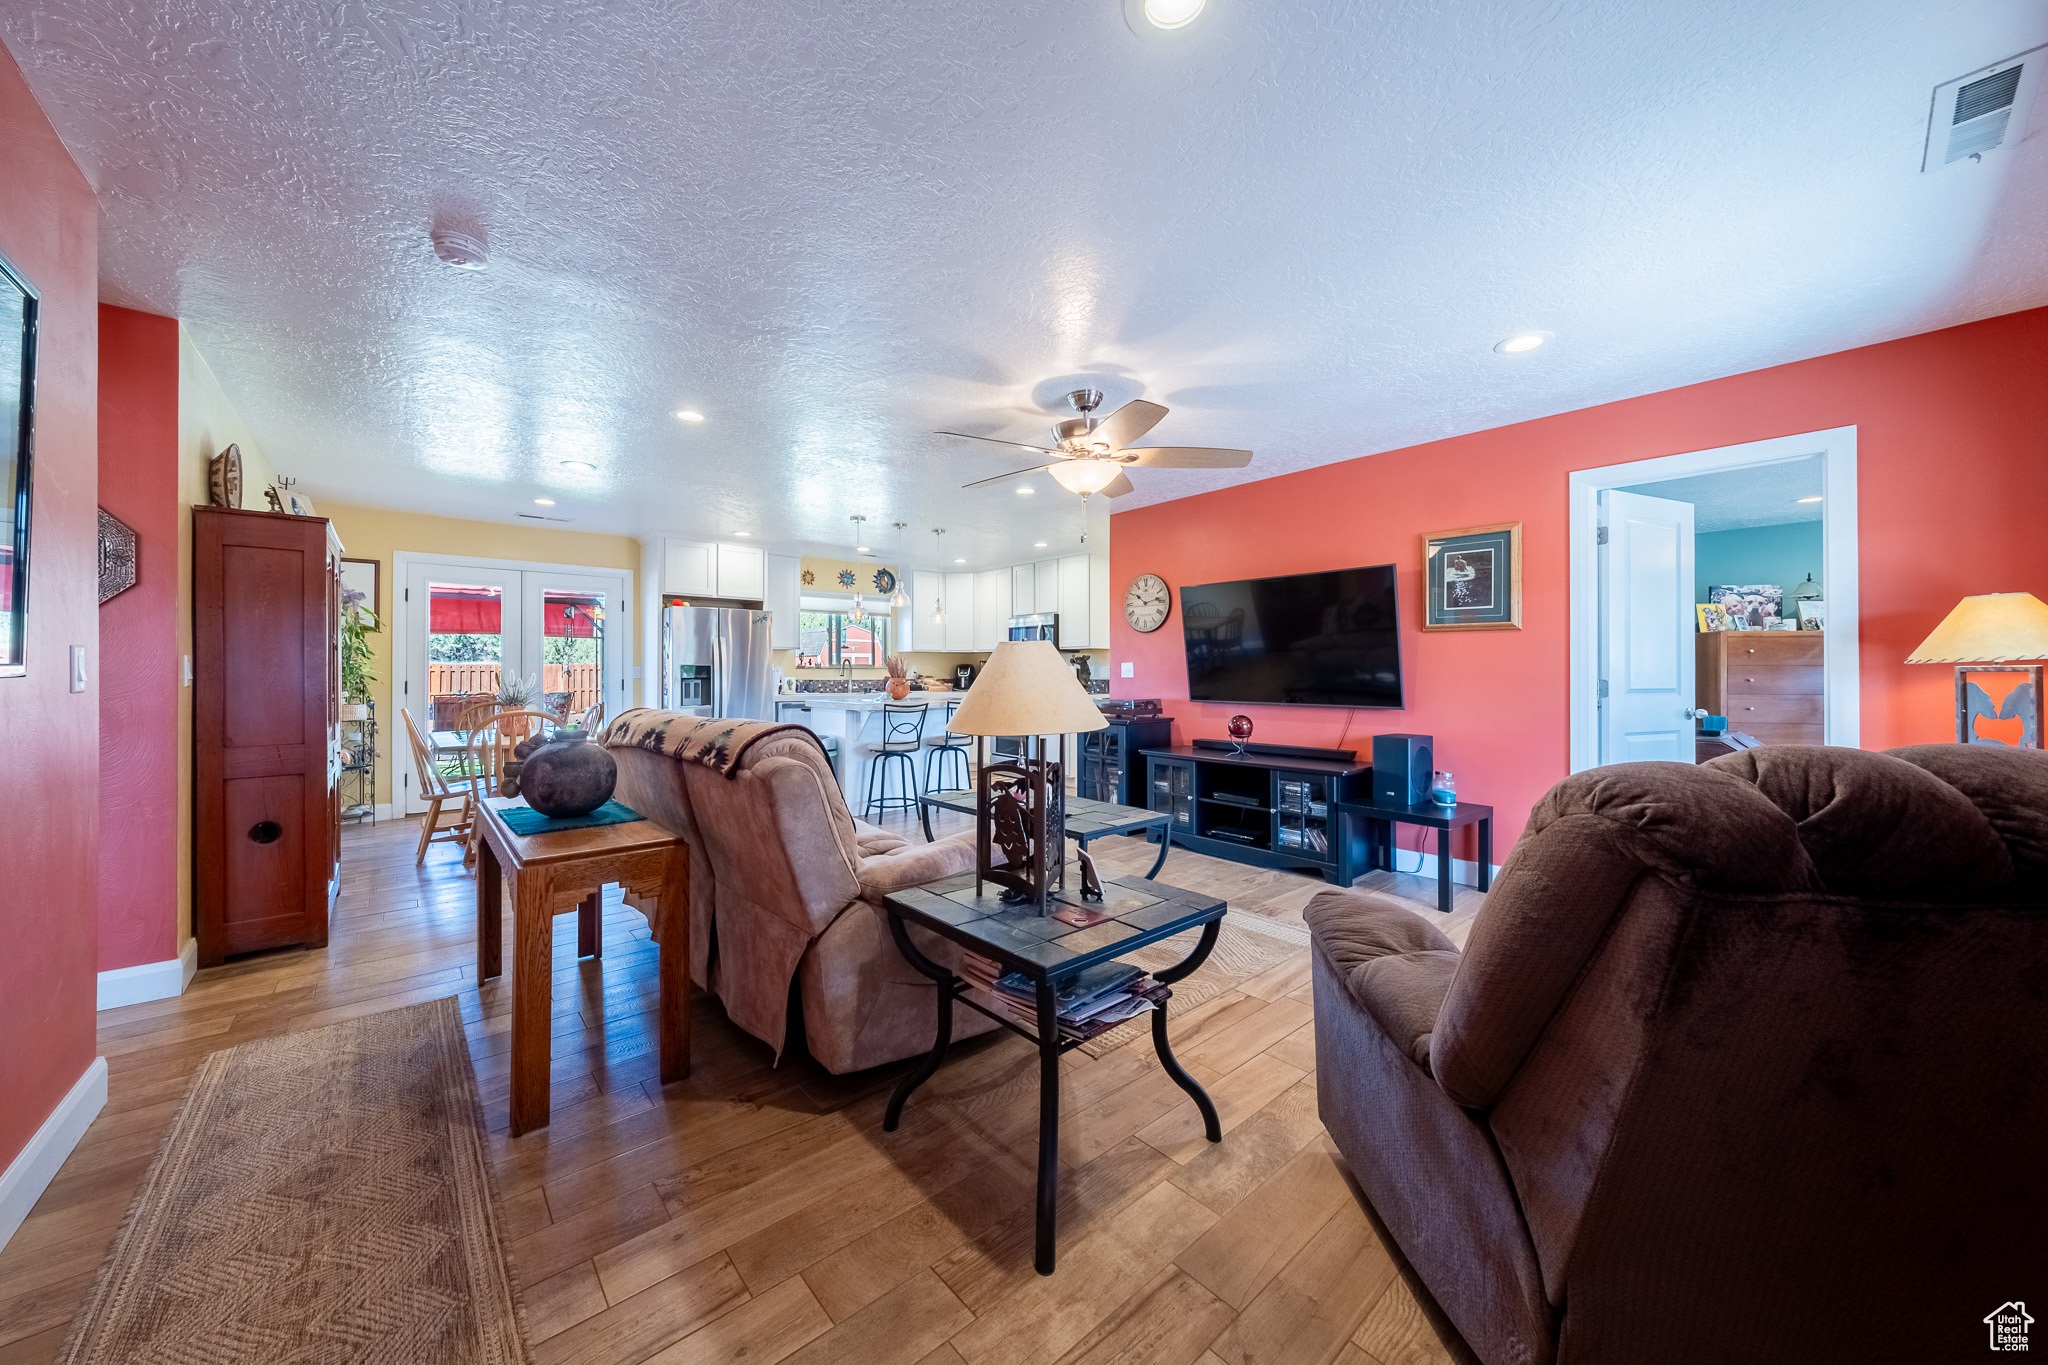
(383, 811)
(1463, 870)
(25, 1179)
(150, 980)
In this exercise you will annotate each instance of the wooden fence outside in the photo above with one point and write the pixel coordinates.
(579, 681)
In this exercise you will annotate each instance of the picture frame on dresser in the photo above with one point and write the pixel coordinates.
(1472, 578)
(17, 442)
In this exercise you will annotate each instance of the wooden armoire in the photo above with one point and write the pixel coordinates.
(266, 675)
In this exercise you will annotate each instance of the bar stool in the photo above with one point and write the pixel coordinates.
(942, 749)
(902, 737)
(831, 744)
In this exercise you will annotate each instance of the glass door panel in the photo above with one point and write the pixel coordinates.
(576, 634)
(466, 638)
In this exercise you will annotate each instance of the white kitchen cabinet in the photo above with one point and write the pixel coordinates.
(1098, 601)
(914, 628)
(959, 631)
(1045, 575)
(782, 594)
(740, 572)
(1023, 590)
(689, 569)
(1076, 631)
(992, 588)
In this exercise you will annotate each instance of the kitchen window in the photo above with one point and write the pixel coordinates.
(831, 639)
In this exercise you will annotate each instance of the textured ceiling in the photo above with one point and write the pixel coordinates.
(835, 226)
(1768, 495)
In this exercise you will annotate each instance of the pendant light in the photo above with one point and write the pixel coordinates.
(938, 557)
(859, 612)
(902, 598)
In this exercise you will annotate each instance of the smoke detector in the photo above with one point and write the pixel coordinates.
(1982, 111)
(463, 250)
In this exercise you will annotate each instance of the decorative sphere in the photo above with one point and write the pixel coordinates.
(568, 777)
(1240, 727)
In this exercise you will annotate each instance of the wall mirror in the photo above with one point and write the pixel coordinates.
(17, 426)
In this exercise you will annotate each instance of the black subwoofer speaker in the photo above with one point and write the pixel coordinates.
(1401, 769)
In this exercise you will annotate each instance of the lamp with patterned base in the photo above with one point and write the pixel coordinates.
(1994, 628)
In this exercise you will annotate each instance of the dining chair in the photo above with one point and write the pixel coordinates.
(490, 749)
(592, 717)
(437, 790)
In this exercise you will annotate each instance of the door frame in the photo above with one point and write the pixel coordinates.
(1841, 657)
(400, 626)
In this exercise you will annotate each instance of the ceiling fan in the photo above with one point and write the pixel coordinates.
(1089, 454)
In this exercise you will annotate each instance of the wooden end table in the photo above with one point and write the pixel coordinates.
(552, 874)
(1133, 911)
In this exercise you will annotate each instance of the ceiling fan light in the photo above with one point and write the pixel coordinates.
(1085, 476)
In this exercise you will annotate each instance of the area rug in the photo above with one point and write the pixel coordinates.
(322, 1198)
(1248, 945)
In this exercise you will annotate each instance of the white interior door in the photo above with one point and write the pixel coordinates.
(1646, 629)
(465, 631)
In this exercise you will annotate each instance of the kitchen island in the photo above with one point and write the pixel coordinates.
(854, 719)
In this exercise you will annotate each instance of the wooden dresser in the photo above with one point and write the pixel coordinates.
(265, 724)
(1767, 682)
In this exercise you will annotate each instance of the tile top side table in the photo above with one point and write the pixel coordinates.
(563, 871)
(1133, 912)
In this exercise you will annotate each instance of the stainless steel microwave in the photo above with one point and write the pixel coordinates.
(1044, 625)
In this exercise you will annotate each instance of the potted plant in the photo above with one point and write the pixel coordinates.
(356, 676)
(899, 677)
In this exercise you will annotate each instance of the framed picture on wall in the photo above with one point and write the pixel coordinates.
(362, 586)
(1472, 578)
(19, 303)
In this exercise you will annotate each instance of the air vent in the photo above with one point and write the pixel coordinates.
(535, 516)
(1982, 111)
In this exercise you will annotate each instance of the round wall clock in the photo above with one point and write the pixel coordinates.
(1148, 603)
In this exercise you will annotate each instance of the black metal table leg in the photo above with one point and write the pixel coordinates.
(944, 1038)
(1165, 842)
(1211, 1125)
(924, 812)
(1486, 854)
(1048, 1123)
(1443, 871)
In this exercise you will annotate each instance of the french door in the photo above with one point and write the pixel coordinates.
(467, 628)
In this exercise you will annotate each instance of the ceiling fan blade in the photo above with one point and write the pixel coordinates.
(1011, 475)
(1188, 457)
(996, 440)
(1119, 486)
(1127, 423)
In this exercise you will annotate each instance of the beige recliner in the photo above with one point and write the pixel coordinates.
(785, 885)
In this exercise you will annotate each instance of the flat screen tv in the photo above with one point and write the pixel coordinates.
(1308, 639)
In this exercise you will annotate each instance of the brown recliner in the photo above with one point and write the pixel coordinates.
(1742, 1062)
(785, 885)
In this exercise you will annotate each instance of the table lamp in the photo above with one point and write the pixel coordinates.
(1994, 628)
(1025, 689)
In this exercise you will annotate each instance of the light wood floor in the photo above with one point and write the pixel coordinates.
(758, 1213)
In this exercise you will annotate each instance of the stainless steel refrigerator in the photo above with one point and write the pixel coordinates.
(715, 662)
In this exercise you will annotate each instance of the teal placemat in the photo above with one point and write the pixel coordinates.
(524, 819)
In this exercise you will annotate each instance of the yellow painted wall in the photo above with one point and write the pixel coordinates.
(207, 424)
(378, 533)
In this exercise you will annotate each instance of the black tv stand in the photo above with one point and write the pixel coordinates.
(1274, 805)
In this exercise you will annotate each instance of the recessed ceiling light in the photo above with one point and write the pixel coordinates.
(1809, 499)
(543, 502)
(1520, 342)
(581, 466)
(1171, 14)
(688, 415)
(960, 561)
(743, 534)
(1026, 491)
(1038, 545)
(862, 550)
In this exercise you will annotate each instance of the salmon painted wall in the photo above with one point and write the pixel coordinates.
(1952, 454)
(140, 684)
(49, 229)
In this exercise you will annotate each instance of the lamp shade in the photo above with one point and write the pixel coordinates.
(1994, 628)
(1026, 688)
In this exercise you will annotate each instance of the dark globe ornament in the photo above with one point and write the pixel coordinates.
(1240, 730)
(568, 776)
